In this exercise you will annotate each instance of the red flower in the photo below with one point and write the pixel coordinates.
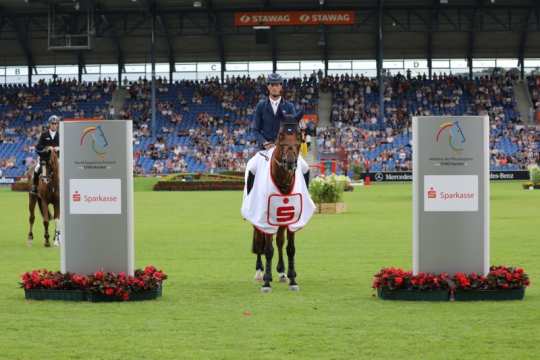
(157, 275)
(149, 270)
(398, 280)
(110, 284)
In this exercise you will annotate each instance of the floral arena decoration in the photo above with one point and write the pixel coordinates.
(501, 283)
(327, 192)
(146, 284)
(201, 182)
(534, 178)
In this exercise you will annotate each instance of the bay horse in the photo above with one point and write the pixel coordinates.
(283, 166)
(48, 192)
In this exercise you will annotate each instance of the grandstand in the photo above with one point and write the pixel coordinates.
(456, 58)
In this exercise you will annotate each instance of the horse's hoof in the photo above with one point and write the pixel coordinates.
(294, 287)
(47, 244)
(29, 242)
(258, 276)
(266, 289)
(282, 278)
(56, 243)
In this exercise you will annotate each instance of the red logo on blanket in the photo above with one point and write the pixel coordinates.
(284, 209)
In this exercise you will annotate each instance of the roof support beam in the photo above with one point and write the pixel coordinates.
(475, 20)
(215, 19)
(434, 18)
(380, 58)
(22, 34)
(524, 37)
(116, 41)
(273, 39)
(324, 44)
(81, 62)
(152, 6)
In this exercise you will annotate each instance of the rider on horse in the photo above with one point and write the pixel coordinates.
(271, 112)
(49, 140)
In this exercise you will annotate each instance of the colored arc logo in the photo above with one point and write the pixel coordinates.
(456, 138)
(99, 141)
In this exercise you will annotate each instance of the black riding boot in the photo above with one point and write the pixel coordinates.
(35, 181)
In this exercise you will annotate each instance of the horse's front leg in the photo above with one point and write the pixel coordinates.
(56, 224)
(269, 253)
(258, 249)
(31, 208)
(291, 251)
(45, 214)
(280, 240)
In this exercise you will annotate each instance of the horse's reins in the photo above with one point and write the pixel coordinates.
(283, 164)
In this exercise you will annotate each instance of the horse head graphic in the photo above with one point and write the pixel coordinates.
(456, 137)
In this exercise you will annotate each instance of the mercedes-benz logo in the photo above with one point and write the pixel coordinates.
(245, 18)
(304, 18)
(379, 176)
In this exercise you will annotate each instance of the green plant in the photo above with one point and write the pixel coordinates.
(357, 170)
(534, 174)
(328, 189)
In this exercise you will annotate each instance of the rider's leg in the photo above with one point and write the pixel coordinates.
(35, 178)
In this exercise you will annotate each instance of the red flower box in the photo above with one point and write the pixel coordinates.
(501, 283)
(105, 286)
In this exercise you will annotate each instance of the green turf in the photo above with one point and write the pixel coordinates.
(211, 309)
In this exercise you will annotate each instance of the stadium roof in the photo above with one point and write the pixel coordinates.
(184, 33)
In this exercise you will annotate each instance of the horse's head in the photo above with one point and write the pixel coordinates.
(288, 146)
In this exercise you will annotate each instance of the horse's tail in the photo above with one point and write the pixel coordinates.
(258, 242)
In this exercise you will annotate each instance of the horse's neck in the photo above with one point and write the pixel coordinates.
(53, 168)
(283, 179)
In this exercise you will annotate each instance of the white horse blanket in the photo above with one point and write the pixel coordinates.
(266, 207)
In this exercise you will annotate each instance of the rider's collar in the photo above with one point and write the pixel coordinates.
(276, 102)
(52, 133)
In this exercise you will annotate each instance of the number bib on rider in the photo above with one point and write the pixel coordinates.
(284, 209)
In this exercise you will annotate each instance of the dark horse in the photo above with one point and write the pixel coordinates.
(282, 168)
(48, 193)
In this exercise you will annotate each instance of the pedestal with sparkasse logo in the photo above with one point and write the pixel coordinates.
(96, 196)
(451, 194)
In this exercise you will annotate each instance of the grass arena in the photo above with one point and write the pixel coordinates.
(212, 309)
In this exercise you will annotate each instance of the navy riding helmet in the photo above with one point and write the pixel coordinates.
(53, 118)
(274, 78)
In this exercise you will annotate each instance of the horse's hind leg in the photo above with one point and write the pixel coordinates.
(32, 200)
(269, 253)
(291, 251)
(280, 240)
(46, 217)
(56, 225)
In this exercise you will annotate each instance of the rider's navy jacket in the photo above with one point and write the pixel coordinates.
(266, 124)
(46, 140)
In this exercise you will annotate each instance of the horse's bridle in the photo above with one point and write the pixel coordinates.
(284, 164)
